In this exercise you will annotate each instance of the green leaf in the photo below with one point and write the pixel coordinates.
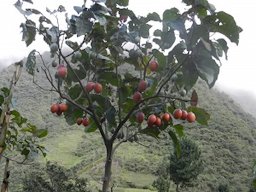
(31, 62)
(225, 24)
(122, 2)
(25, 152)
(151, 131)
(176, 143)
(72, 45)
(1, 100)
(97, 55)
(28, 31)
(153, 17)
(179, 129)
(30, 128)
(35, 11)
(17, 118)
(29, 1)
(189, 75)
(223, 44)
(83, 26)
(109, 77)
(144, 30)
(111, 116)
(5, 91)
(171, 14)
(202, 116)
(207, 69)
(157, 33)
(40, 133)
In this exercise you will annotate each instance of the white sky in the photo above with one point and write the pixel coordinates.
(238, 72)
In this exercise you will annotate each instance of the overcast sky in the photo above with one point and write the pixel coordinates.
(238, 72)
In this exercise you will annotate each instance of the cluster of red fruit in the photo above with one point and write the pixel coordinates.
(166, 117)
(184, 115)
(97, 87)
(153, 119)
(59, 108)
(85, 121)
(142, 86)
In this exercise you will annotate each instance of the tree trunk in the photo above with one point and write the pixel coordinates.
(108, 166)
(4, 187)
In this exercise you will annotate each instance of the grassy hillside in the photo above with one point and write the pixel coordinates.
(227, 144)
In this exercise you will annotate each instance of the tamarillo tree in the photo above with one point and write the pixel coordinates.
(118, 75)
(18, 137)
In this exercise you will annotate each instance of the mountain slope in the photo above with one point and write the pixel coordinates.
(227, 143)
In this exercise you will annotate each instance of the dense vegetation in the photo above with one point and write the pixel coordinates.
(227, 144)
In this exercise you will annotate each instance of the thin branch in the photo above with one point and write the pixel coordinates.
(93, 114)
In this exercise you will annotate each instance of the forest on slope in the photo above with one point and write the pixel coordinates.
(227, 143)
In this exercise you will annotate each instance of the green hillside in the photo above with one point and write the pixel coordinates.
(227, 144)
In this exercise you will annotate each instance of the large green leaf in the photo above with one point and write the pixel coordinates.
(83, 26)
(28, 31)
(1, 100)
(96, 55)
(225, 24)
(144, 30)
(171, 14)
(31, 62)
(179, 129)
(153, 17)
(151, 131)
(202, 116)
(109, 77)
(111, 116)
(207, 69)
(224, 46)
(176, 142)
(190, 75)
(122, 2)
(206, 66)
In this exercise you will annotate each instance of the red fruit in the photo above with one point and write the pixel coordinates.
(85, 121)
(140, 117)
(79, 121)
(89, 86)
(151, 120)
(191, 117)
(62, 71)
(137, 97)
(166, 117)
(54, 108)
(153, 65)
(142, 86)
(158, 122)
(184, 115)
(97, 88)
(63, 107)
(123, 18)
(177, 113)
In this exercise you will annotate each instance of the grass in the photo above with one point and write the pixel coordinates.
(61, 148)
